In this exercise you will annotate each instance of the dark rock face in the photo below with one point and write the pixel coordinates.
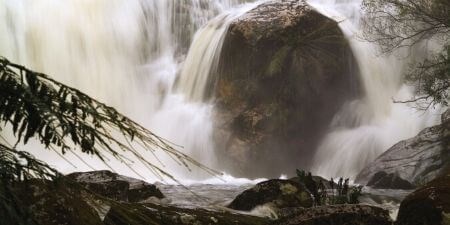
(66, 203)
(429, 205)
(284, 71)
(116, 187)
(278, 193)
(53, 203)
(146, 214)
(382, 180)
(417, 160)
(338, 215)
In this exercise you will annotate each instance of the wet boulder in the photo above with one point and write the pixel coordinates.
(429, 205)
(276, 193)
(417, 160)
(284, 71)
(116, 187)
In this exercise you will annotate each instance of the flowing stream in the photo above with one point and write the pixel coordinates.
(151, 59)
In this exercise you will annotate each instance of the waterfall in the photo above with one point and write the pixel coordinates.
(366, 127)
(204, 54)
(128, 54)
(152, 60)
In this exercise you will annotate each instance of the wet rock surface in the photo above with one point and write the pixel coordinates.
(417, 160)
(144, 214)
(338, 215)
(65, 201)
(54, 203)
(116, 187)
(276, 193)
(429, 205)
(284, 71)
(382, 180)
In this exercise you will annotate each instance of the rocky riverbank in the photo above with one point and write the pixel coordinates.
(103, 197)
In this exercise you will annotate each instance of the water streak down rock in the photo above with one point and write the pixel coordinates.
(284, 71)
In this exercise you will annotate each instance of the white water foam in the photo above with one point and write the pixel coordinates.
(367, 127)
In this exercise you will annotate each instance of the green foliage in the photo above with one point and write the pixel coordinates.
(337, 193)
(64, 118)
(397, 24)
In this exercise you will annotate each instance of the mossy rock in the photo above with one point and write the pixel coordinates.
(278, 193)
(55, 203)
(283, 73)
(429, 205)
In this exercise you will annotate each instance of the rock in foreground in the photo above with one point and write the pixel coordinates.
(339, 215)
(68, 202)
(117, 187)
(276, 193)
(429, 205)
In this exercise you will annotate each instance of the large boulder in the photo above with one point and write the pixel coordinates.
(116, 187)
(429, 205)
(417, 160)
(283, 72)
(275, 193)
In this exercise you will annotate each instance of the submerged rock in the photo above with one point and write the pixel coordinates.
(417, 160)
(278, 193)
(429, 205)
(284, 71)
(116, 187)
(382, 180)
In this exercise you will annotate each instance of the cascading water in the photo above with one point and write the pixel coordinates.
(203, 55)
(366, 127)
(131, 53)
(126, 53)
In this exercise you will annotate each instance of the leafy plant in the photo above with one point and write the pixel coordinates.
(18, 166)
(337, 193)
(63, 119)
